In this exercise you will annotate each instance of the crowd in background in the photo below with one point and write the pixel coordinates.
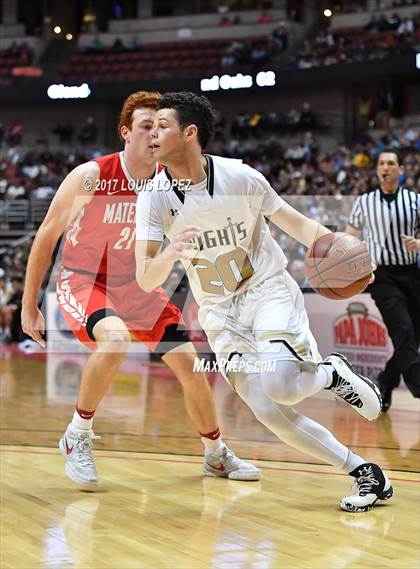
(314, 180)
(243, 52)
(298, 166)
(331, 47)
(303, 167)
(20, 52)
(348, 6)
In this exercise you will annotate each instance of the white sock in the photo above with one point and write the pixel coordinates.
(353, 461)
(213, 446)
(80, 424)
(328, 370)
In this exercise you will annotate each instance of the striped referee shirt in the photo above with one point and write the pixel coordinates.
(383, 218)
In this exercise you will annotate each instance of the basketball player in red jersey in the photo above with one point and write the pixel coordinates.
(100, 299)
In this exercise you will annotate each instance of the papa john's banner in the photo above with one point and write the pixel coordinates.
(353, 327)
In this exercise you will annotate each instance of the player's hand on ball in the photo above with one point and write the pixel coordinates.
(33, 323)
(182, 245)
(338, 266)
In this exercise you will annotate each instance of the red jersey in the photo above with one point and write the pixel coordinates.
(101, 239)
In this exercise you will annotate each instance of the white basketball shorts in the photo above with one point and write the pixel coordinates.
(262, 324)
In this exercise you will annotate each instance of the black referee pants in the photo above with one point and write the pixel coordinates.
(396, 292)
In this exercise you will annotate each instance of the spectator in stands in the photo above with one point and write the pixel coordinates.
(89, 131)
(307, 117)
(393, 21)
(13, 50)
(14, 136)
(227, 60)
(134, 44)
(96, 45)
(389, 140)
(223, 7)
(373, 24)
(118, 45)
(265, 18)
(382, 105)
(365, 112)
(65, 132)
(10, 311)
(406, 27)
(258, 53)
(2, 134)
(16, 190)
(278, 38)
(296, 154)
(225, 21)
(411, 133)
(361, 159)
(293, 120)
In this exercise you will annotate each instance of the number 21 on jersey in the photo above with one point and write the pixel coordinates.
(127, 236)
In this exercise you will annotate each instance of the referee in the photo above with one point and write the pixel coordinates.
(389, 218)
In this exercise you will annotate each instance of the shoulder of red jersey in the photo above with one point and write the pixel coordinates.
(107, 158)
(111, 167)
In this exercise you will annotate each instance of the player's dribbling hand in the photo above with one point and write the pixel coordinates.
(33, 324)
(182, 245)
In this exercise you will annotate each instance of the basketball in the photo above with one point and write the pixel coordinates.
(338, 266)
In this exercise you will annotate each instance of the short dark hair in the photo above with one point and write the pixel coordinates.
(391, 150)
(192, 109)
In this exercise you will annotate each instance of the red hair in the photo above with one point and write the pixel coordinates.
(137, 100)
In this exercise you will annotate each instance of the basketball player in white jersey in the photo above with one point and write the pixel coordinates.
(250, 308)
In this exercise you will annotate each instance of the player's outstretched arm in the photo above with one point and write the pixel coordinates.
(75, 191)
(153, 266)
(297, 225)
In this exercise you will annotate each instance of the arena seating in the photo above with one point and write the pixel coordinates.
(155, 61)
(16, 55)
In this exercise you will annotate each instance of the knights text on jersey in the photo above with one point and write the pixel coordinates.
(235, 249)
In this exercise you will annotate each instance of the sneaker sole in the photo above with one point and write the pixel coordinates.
(246, 477)
(366, 380)
(386, 495)
(73, 476)
(83, 486)
(235, 475)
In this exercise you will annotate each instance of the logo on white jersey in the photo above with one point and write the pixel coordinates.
(230, 234)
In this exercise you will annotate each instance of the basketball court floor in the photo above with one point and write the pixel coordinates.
(156, 510)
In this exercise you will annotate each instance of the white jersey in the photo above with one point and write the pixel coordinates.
(235, 250)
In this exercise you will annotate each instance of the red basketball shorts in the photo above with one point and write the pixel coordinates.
(85, 299)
